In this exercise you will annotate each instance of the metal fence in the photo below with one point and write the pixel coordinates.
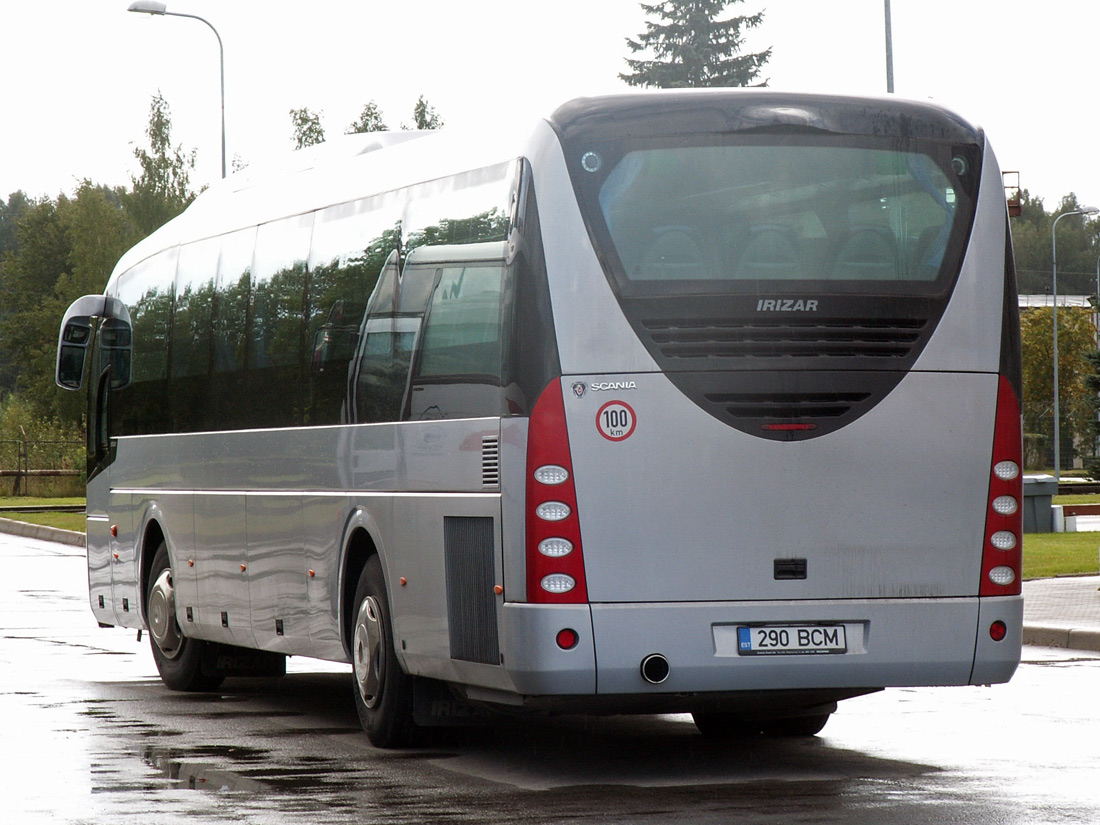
(25, 459)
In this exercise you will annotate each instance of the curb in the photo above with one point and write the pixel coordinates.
(1073, 638)
(42, 532)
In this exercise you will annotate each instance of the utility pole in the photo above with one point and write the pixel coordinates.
(889, 51)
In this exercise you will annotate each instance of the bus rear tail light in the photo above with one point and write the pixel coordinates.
(1001, 554)
(555, 567)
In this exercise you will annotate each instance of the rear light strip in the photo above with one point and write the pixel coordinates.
(555, 566)
(1002, 556)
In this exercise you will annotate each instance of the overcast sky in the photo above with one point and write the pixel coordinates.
(79, 74)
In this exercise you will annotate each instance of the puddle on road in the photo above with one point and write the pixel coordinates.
(235, 768)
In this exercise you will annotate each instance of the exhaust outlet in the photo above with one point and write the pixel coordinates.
(655, 668)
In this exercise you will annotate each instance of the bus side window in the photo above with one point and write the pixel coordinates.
(379, 371)
(382, 368)
(458, 369)
(148, 290)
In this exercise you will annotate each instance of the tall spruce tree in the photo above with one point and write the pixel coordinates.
(691, 47)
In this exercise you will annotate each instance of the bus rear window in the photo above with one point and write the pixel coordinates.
(845, 215)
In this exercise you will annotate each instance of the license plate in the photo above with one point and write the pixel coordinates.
(778, 640)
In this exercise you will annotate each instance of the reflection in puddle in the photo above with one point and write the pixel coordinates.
(201, 776)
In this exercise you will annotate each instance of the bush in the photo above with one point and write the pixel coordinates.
(49, 444)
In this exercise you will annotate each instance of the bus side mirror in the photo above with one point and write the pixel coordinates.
(72, 352)
(76, 336)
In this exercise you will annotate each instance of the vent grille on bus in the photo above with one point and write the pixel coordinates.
(788, 406)
(787, 338)
(471, 602)
(490, 461)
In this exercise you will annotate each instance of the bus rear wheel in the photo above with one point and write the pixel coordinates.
(383, 691)
(796, 726)
(178, 658)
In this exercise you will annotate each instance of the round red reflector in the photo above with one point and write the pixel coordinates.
(998, 630)
(567, 639)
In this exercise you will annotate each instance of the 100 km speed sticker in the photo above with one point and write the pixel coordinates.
(616, 420)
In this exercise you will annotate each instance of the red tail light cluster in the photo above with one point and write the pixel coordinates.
(1001, 555)
(555, 568)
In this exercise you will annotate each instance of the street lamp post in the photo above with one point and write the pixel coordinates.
(1082, 210)
(889, 50)
(154, 7)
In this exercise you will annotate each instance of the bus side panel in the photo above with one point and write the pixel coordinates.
(221, 609)
(175, 516)
(323, 522)
(278, 576)
(444, 556)
(98, 543)
(97, 526)
(125, 561)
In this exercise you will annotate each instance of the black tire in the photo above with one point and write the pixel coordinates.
(725, 725)
(796, 726)
(383, 691)
(178, 658)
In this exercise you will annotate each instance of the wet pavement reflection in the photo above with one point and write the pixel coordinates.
(91, 736)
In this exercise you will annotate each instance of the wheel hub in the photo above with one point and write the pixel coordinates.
(368, 653)
(163, 626)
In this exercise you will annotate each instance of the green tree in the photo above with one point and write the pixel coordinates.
(28, 273)
(1078, 245)
(10, 213)
(425, 116)
(688, 45)
(1076, 346)
(65, 248)
(370, 120)
(163, 189)
(308, 130)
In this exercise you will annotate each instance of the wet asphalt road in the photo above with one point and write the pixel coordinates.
(90, 736)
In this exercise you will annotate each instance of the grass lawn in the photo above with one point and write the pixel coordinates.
(1060, 554)
(65, 521)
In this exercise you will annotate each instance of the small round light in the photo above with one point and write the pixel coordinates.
(558, 583)
(553, 511)
(567, 639)
(591, 162)
(1003, 540)
(555, 548)
(998, 630)
(1002, 575)
(1005, 505)
(551, 474)
(1006, 470)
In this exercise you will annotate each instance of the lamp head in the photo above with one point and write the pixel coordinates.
(1088, 210)
(148, 7)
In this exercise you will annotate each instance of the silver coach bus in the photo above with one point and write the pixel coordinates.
(697, 402)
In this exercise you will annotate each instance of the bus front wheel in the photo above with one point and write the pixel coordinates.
(383, 691)
(178, 658)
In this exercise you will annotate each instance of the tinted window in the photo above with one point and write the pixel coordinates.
(462, 334)
(840, 213)
(459, 361)
(147, 290)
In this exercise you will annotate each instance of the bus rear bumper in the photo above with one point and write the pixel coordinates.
(888, 643)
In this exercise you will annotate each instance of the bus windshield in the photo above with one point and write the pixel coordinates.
(846, 214)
